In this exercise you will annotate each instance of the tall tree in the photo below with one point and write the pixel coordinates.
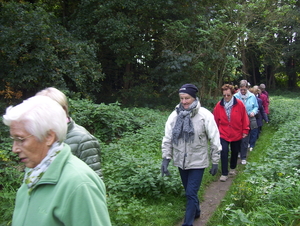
(37, 52)
(128, 35)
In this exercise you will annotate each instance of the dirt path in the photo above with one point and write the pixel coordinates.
(213, 195)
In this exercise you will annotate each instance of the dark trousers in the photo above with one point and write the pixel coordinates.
(191, 180)
(253, 137)
(235, 147)
(244, 147)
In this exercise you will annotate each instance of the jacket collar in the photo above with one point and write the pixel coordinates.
(223, 104)
(70, 124)
(53, 173)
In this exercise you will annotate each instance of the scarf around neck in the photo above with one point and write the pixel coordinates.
(244, 97)
(228, 106)
(184, 127)
(33, 175)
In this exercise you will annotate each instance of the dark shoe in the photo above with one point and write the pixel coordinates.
(197, 215)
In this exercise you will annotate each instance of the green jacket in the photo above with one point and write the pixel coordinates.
(68, 194)
(84, 145)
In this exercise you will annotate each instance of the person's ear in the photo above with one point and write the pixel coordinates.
(51, 138)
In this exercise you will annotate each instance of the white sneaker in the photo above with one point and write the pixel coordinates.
(232, 172)
(250, 149)
(244, 162)
(223, 178)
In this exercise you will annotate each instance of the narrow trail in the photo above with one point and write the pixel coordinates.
(213, 196)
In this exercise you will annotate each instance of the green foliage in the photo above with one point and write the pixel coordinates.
(110, 122)
(131, 168)
(7, 199)
(39, 53)
(280, 113)
(11, 176)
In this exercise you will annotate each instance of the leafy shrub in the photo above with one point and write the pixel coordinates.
(284, 108)
(131, 166)
(11, 176)
(110, 122)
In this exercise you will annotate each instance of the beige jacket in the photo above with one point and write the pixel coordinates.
(194, 155)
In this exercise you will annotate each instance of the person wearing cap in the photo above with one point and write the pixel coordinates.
(233, 123)
(189, 132)
(264, 96)
(251, 105)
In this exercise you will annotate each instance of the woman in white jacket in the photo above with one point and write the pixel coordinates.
(189, 132)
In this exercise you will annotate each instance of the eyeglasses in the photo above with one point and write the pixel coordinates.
(227, 95)
(19, 140)
(243, 89)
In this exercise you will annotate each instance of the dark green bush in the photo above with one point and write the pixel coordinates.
(110, 122)
(11, 176)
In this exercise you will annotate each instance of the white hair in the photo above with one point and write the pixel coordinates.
(40, 115)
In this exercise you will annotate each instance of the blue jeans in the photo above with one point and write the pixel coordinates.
(191, 180)
(235, 148)
(253, 137)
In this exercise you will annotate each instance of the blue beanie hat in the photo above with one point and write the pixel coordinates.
(189, 89)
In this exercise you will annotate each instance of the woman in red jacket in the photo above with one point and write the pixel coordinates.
(233, 123)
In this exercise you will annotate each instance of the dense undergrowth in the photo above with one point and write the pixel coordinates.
(137, 194)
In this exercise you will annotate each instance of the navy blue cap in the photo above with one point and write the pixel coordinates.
(189, 89)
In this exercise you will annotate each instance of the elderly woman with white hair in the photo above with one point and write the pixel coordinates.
(58, 188)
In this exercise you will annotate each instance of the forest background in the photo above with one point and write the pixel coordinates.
(122, 61)
(138, 53)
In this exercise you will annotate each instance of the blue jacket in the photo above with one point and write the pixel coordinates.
(250, 103)
(69, 194)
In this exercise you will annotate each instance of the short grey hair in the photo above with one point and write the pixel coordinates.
(40, 115)
(244, 83)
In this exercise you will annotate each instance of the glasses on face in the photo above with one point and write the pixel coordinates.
(243, 89)
(226, 95)
(19, 140)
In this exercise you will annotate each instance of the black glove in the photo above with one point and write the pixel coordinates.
(164, 167)
(214, 169)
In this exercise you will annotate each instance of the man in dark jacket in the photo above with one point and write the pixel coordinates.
(83, 144)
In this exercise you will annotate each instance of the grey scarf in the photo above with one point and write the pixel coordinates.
(228, 106)
(184, 127)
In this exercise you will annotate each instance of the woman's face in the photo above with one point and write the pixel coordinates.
(227, 95)
(186, 100)
(243, 90)
(30, 151)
